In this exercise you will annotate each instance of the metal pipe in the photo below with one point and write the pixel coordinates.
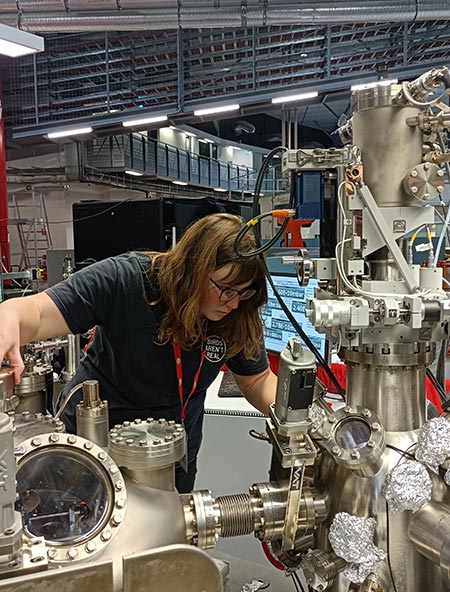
(86, 15)
(5, 255)
(430, 534)
(73, 353)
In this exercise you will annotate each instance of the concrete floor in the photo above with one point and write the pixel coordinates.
(243, 572)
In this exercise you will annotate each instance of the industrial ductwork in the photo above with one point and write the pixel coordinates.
(120, 15)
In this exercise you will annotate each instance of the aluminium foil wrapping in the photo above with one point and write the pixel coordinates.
(433, 443)
(358, 572)
(447, 476)
(317, 415)
(407, 486)
(351, 538)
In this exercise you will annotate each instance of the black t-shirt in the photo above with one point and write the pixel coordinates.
(136, 375)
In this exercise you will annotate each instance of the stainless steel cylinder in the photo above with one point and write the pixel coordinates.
(390, 380)
(383, 267)
(148, 450)
(262, 511)
(72, 352)
(236, 515)
(31, 391)
(361, 496)
(10, 520)
(92, 415)
(385, 165)
(430, 533)
(321, 568)
(7, 392)
(93, 423)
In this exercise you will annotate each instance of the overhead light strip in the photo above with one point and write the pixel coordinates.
(15, 43)
(218, 109)
(144, 120)
(297, 97)
(76, 131)
(134, 173)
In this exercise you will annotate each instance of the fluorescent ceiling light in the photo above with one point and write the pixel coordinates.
(220, 189)
(218, 109)
(190, 134)
(76, 131)
(179, 183)
(236, 148)
(386, 82)
(297, 97)
(208, 140)
(15, 43)
(172, 127)
(144, 120)
(134, 173)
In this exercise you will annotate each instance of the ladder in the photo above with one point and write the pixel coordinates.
(31, 220)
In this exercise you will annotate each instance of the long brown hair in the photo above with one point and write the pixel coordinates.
(183, 275)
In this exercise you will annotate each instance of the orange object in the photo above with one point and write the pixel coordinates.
(293, 233)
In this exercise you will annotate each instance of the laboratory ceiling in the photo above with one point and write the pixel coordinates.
(113, 58)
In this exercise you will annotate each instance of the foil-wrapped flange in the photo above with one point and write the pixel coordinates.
(433, 443)
(316, 414)
(407, 487)
(351, 538)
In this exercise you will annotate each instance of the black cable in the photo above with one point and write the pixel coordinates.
(438, 386)
(402, 453)
(258, 435)
(260, 177)
(432, 378)
(260, 249)
(295, 583)
(417, 12)
(321, 361)
(296, 577)
(391, 572)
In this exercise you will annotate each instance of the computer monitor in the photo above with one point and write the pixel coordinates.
(106, 228)
(277, 328)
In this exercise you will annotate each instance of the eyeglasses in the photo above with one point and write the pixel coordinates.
(227, 294)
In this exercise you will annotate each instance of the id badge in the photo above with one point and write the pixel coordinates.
(185, 460)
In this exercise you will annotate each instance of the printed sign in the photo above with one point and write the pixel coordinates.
(215, 348)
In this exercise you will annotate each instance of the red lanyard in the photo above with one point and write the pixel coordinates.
(179, 369)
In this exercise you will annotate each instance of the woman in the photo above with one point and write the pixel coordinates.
(165, 324)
